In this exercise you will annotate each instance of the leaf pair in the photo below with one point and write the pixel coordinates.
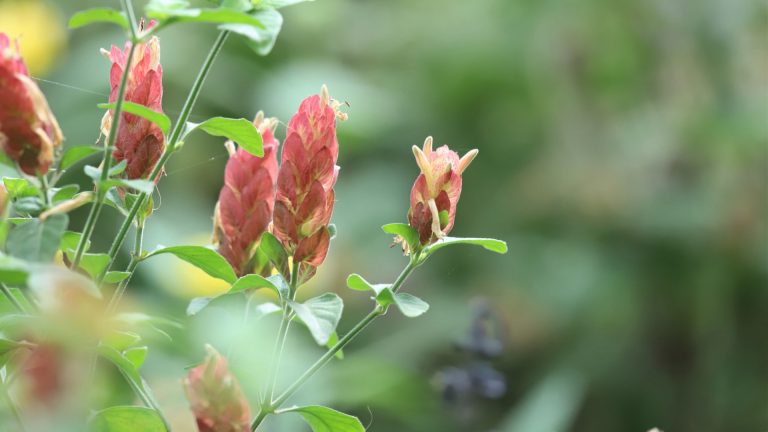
(410, 305)
(411, 238)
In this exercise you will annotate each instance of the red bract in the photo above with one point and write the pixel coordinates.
(215, 396)
(436, 191)
(138, 141)
(245, 205)
(29, 133)
(305, 182)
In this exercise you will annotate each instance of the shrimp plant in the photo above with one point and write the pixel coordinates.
(61, 315)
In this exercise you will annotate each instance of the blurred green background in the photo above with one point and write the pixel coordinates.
(623, 157)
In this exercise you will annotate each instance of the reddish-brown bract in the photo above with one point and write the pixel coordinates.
(139, 141)
(215, 397)
(305, 182)
(29, 133)
(436, 192)
(246, 201)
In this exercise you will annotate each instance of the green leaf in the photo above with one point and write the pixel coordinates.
(7, 307)
(98, 15)
(136, 355)
(19, 188)
(260, 38)
(254, 281)
(324, 419)
(158, 118)
(277, 4)
(144, 186)
(37, 240)
(126, 419)
(241, 131)
(357, 282)
(492, 245)
(70, 240)
(274, 250)
(197, 304)
(178, 11)
(74, 155)
(114, 277)
(29, 205)
(203, 258)
(410, 305)
(407, 232)
(264, 309)
(13, 271)
(7, 345)
(94, 263)
(320, 314)
(64, 193)
(122, 340)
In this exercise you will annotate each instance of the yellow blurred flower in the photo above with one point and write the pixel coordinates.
(192, 282)
(39, 28)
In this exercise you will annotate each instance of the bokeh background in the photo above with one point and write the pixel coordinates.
(623, 157)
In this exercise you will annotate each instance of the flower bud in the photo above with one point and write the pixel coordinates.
(247, 199)
(436, 191)
(215, 396)
(29, 133)
(305, 182)
(138, 141)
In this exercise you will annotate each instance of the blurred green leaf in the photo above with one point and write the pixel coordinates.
(179, 11)
(131, 375)
(114, 277)
(32, 206)
(324, 419)
(37, 240)
(13, 271)
(260, 38)
(332, 341)
(94, 263)
(241, 131)
(122, 340)
(320, 314)
(158, 118)
(203, 258)
(136, 355)
(74, 155)
(64, 193)
(277, 4)
(98, 15)
(410, 305)
(550, 406)
(18, 188)
(126, 419)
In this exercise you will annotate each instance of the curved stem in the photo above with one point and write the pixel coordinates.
(173, 140)
(328, 355)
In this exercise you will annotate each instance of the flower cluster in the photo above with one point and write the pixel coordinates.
(246, 201)
(29, 133)
(215, 396)
(436, 191)
(139, 142)
(308, 172)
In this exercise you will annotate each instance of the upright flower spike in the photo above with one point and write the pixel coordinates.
(305, 182)
(215, 396)
(138, 141)
(246, 200)
(436, 191)
(29, 133)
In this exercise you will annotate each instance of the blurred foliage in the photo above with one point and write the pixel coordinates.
(623, 156)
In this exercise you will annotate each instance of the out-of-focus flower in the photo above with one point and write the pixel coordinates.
(43, 374)
(139, 141)
(215, 396)
(305, 183)
(436, 191)
(247, 199)
(29, 133)
(3, 201)
(40, 28)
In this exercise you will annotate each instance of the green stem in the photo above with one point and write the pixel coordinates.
(7, 292)
(106, 162)
(325, 358)
(170, 147)
(282, 335)
(44, 189)
(135, 259)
